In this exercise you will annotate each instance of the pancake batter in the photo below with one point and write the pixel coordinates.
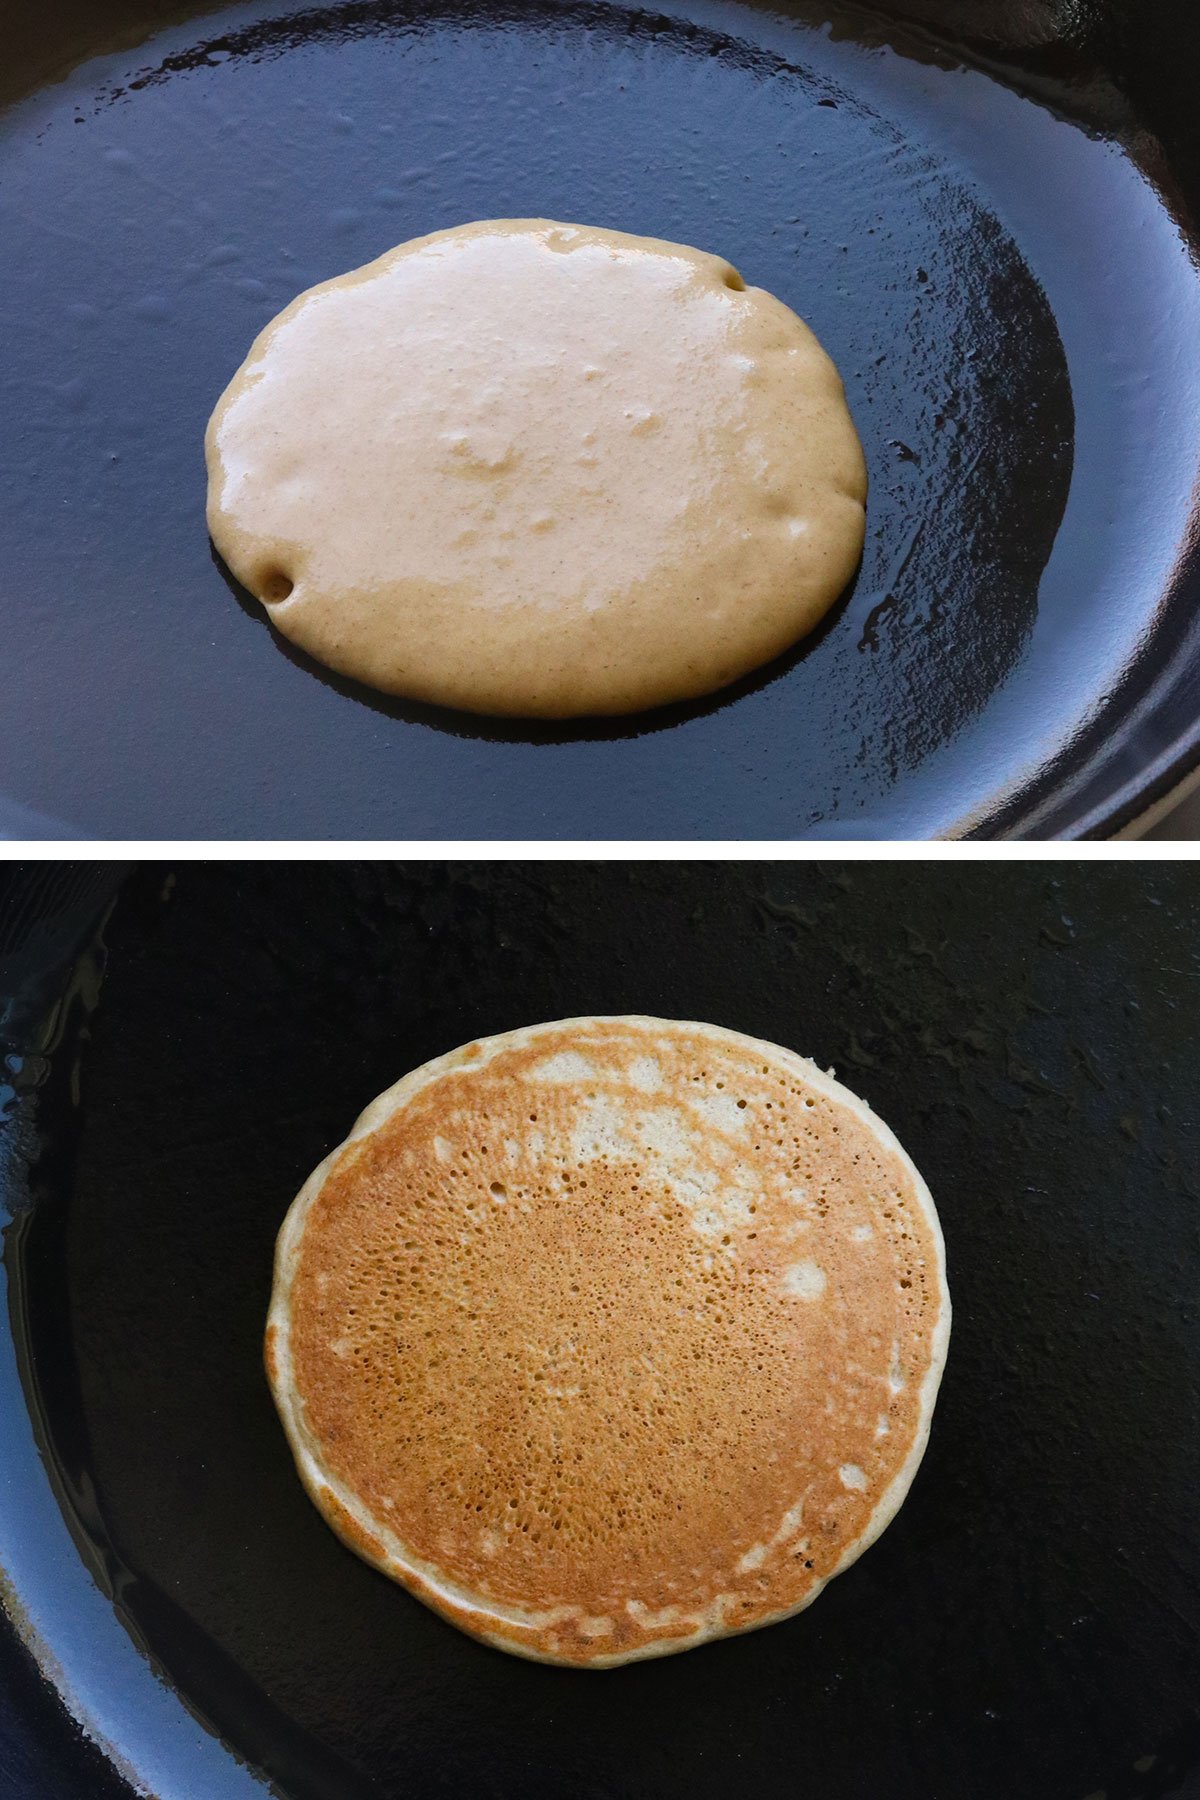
(527, 468)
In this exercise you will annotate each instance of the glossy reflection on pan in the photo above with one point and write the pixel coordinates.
(1011, 301)
(1029, 1624)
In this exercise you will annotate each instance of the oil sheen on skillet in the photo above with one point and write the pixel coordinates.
(1009, 299)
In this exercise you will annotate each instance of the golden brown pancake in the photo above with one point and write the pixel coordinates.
(530, 468)
(610, 1336)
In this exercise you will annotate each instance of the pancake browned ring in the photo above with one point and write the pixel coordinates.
(612, 1335)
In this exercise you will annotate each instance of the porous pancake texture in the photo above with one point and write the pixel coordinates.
(609, 1336)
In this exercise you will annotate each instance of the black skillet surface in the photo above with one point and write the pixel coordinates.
(1028, 1628)
(1005, 281)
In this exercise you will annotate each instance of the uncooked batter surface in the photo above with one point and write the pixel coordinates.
(529, 468)
(610, 1336)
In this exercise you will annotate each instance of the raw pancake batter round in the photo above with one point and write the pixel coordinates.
(528, 468)
(610, 1336)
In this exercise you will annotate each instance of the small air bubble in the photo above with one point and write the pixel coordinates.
(276, 586)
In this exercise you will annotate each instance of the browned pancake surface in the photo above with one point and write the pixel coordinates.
(615, 1335)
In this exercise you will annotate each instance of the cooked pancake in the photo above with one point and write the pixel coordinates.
(610, 1336)
(541, 469)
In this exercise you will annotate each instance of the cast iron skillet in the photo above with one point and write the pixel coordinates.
(1027, 1629)
(983, 207)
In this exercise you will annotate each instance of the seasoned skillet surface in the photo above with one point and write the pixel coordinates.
(1011, 299)
(1029, 1625)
